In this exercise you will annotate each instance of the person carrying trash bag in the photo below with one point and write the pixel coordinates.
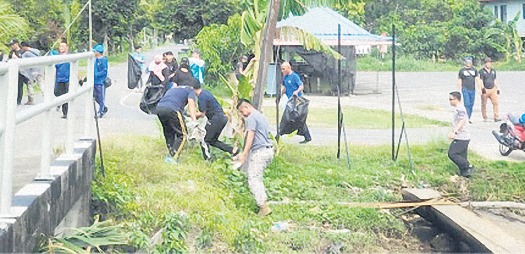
(296, 112)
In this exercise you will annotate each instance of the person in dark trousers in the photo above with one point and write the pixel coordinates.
(16, 53)
(101, 73)
(173, 66)
(169, 111)
(489, 90)
(210, 107)
(460, 137)
(293, 86)
(62, 77)
(467, 85)
(257, 154)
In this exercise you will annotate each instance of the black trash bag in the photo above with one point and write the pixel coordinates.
(294, 116)
(134, 72)
(150, 98)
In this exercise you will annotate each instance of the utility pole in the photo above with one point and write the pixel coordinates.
(266, 52)
(90, 26)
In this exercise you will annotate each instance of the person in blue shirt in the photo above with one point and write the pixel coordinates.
(210, 107)
(169, 110)
(101, 73)
(62, 78)
(293, 86)
(141, 59)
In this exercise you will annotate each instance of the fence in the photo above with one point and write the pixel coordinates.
(77, 97)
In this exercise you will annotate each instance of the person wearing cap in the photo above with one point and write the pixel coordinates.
(33, 74)
(467, 85)
(101, 73)
(173, 66)
(197, 65)
(489, 90)
(16, 53)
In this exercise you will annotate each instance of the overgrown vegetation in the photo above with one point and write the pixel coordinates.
(207, 207)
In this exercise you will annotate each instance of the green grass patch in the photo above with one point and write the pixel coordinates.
(409, 64)
(358, 118)
(207, 206)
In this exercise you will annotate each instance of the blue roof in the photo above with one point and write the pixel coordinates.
(322, 22)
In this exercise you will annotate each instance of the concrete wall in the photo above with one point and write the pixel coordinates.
(42, 207)
(513, 7)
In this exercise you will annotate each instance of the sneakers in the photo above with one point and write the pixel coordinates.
(64, 116)
(30, 102)
(264, 210)
(103, 112)
(236, 152)
(170, 160)
(497, 120)
(305, 141)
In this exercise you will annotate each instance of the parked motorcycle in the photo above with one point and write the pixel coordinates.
(511, 136)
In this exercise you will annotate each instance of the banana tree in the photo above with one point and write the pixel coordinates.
(10, 24)
(514, 38)
(258, 29)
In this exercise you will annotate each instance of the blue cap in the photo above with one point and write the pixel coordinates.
(522, 119)
(99, 48)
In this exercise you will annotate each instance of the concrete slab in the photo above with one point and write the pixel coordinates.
(480, 234)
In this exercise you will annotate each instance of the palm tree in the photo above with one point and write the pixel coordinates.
(10, 23)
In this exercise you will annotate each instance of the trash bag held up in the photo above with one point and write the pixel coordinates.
(134, 72)
(151, 97)
(294, 117)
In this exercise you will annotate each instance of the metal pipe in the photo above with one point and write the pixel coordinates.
(45, 162)
(45, 60)
(72, 108)
(88, 106)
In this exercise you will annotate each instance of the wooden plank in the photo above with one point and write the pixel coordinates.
(481, 235)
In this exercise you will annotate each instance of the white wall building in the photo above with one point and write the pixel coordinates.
(506, 10)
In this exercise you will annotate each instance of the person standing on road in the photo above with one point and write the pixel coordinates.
(197, 65)
(158, 72)
(141, 59)
(210, 107)
(467, 85)
(173, 66)
(293, 86)
(101, 73)
(62, 78)
(489, 90)
(16, 53)
(460, 137)
(257, 153)
(169, 111)
(33, 74)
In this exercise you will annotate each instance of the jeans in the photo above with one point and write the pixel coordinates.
(457, 152)
(21, 81)
(468, 100)
(62, 88)
(99, 93)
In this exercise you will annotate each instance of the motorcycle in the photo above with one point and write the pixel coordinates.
(511, 136)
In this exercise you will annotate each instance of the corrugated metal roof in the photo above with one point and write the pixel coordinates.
(322, 22)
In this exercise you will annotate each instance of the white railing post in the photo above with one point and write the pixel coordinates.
(89, 111)
(7, 139)
(72, 112)
(49, 79)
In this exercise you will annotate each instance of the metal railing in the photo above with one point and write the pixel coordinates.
(10, 118)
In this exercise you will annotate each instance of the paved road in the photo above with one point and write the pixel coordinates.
(422, 94)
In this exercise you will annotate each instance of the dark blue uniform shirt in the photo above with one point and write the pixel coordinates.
(208, 104)
(177, 98)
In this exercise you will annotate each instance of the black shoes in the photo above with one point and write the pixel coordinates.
(305, 141)
(467, 173)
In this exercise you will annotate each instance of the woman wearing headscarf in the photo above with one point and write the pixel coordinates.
(158, 72)
(183, 76)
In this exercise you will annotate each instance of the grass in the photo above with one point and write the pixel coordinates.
(358, 118)
(409, 64)
(213, 210)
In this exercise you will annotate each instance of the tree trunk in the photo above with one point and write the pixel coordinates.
(266, 52)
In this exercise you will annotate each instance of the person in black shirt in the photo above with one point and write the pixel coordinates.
(210, 107)
(489, 89)
(16, 53)
(173, 66)
(183, 76)
(467, 85)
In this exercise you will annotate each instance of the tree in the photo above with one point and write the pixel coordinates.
(11, 25)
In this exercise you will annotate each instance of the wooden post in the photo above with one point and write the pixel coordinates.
(266, 52)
